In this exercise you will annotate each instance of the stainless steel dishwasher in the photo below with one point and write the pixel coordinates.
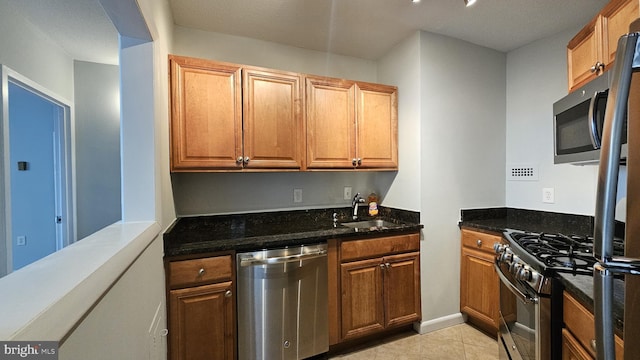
(282, 303)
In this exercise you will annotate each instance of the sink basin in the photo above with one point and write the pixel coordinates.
(380, 224)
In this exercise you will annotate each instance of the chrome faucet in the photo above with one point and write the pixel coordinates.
(354, 205)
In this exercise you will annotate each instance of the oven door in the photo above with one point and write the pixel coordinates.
(520, 319)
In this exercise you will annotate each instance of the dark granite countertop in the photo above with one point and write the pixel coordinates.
(256, 231)
(500, 219)
(580, 286)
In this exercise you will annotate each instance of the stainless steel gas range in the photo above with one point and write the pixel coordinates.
(530, 296)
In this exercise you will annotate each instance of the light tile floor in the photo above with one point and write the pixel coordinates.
(460, 342)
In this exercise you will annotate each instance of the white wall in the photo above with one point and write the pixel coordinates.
(401, 67)
(247, 51)
(462, 155)
(120, 324)
(97, 130)
(28, 51)
(536, 78)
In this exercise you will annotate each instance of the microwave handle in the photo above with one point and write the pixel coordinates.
(593, 121)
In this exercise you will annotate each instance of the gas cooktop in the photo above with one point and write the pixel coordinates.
(556, 252)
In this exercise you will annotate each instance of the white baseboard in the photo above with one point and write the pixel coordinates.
(439, 323)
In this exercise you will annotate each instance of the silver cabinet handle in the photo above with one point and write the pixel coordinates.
(359, 161)
(246, 160)
(201, 272)
(597, 67)
(354, 162)
(479, 243)
(239, 160)
(279, 260)
(227, 294)
(382, 266)
(387, 265)
(593, 345)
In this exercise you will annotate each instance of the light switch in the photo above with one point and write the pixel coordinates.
(21, 240)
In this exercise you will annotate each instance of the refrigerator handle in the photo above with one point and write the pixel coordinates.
(603, 312)
(604, 220)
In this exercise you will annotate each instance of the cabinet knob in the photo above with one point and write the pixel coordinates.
(201, 272)
(387, 265)
(479, 243)
(359, 161)
(382, 266)
(598, 66)
(228, 294)
(239, 160)
(354, 162)
(246, 160)
(593, 345)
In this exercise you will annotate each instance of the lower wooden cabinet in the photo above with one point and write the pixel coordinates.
(378, 285)
(479, 282)
(571, 348)
(578, 335)
(202, 322)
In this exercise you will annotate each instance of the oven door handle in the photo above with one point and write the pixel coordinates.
(521, 295)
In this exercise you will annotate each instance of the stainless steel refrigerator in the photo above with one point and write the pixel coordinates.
(623, 99)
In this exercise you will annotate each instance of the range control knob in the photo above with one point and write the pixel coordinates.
(524, 274)
(498, 248)
(514, 267)
(506, 256)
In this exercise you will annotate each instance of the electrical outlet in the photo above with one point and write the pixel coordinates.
(548, 196)
(347, 193)
(21, 240)
(297, 195)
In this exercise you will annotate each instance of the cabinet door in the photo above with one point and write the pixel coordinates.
(362, 302)
(202, 322)
(273, 127)
(206, 115)
(377, 126)
(583, 51)
(402, 289)
(571, 349)
(616, 17)
(479, 288)
(330, 123)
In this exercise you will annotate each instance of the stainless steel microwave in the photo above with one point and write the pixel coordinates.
(578, 120)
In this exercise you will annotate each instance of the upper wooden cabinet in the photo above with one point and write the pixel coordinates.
(592, 50)
(206, 114)
(351, 124)
(273, 126)
(229, 117)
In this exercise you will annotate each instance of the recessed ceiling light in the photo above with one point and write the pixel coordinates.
(415, 1)
(469, 2)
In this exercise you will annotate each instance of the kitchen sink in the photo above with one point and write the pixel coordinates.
(367, 224)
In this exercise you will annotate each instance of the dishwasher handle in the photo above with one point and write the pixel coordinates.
(251, 261)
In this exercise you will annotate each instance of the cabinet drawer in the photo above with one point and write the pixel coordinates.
(368, 248)
(198, 271)
(579, 321)
(479, 240)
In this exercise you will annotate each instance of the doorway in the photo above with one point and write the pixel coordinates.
(37, 207)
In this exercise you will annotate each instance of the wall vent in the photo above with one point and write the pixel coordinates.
(522, 172)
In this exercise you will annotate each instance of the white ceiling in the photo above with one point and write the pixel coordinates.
(361, 28)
